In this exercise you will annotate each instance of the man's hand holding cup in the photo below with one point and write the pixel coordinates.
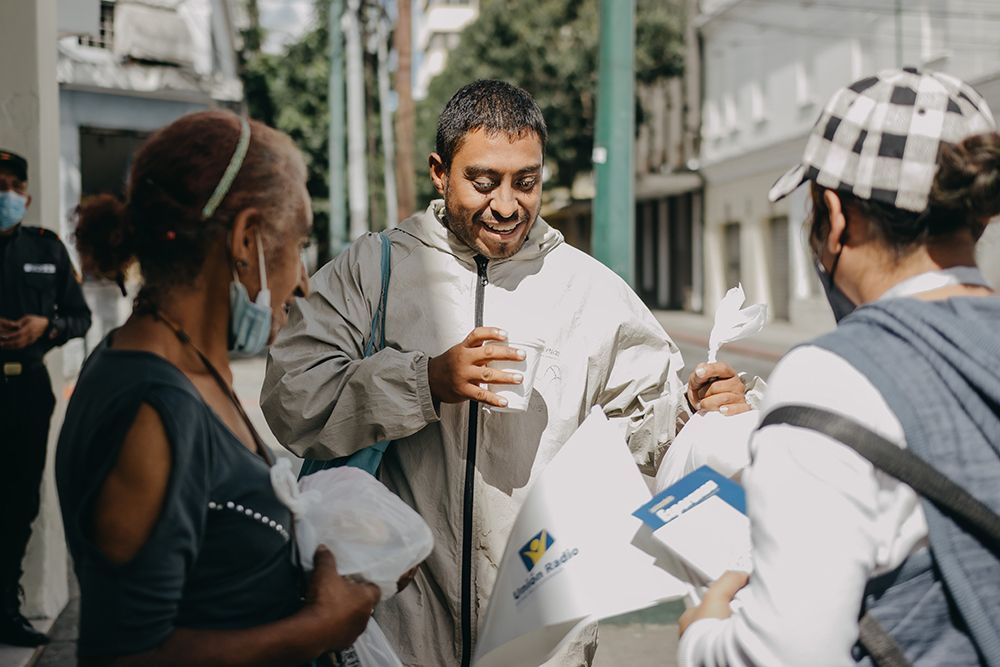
(462, 373)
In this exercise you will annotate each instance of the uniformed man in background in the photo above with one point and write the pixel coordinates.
(41, 307)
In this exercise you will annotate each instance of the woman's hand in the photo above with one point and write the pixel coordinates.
(339, 607)
(717, 387)
(716, 601)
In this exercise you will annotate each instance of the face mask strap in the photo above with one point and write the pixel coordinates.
(836, 260)
(260, 261)
(228, 176)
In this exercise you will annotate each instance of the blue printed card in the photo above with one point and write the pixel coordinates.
(702, 518)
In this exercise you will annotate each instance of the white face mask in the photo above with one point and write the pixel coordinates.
(250, 321)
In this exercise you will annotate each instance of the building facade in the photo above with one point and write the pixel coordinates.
(147, 63)
(437, 26)
(768, 66)
(88, 80)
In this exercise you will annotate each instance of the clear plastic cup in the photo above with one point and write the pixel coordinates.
(517, 395)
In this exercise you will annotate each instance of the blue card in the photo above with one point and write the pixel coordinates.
(689, 492)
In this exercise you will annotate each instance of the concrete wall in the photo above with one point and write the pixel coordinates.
(29, 124)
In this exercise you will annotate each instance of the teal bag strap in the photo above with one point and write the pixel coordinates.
(369, 458)
(378, 320)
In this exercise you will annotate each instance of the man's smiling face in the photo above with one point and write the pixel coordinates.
(492, 190)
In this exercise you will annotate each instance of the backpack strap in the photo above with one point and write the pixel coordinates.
(907, 467)
(882, 648)
(369, 458)
(377, 331)
(899, 463)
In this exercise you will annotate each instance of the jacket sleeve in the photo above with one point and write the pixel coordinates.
(639, 383)
(321, 398)
(72, 315)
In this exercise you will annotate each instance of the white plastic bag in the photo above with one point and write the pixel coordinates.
(733, 322)
(372, 533)
(719, 441)
(371, 649)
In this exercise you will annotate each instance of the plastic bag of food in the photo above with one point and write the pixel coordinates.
(373, 534)
(371, 649)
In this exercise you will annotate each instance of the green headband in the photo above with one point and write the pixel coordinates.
(226, 182)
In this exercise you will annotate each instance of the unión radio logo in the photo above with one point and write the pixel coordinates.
(536, 547)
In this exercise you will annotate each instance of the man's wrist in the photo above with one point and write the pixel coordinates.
(692, 407)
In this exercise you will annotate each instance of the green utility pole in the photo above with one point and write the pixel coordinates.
(613, 229)
(336, 150)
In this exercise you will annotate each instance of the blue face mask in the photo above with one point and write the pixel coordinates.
(12, 209)
(250, 321)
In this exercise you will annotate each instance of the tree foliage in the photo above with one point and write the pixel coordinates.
(549, 48)
(290, 91)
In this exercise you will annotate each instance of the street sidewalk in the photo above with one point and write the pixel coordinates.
(14, 656)
(771, 344)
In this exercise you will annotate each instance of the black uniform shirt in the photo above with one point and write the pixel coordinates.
(37, 278)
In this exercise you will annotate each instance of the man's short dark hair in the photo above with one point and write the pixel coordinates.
(489, 105)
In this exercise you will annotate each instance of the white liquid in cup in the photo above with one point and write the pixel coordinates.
(517, 395)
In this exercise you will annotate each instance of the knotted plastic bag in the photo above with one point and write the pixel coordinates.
(371, 649)
(733, 322)
(373, 534)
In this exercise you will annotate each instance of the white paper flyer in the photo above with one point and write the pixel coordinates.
(702, 518)
(570, 559)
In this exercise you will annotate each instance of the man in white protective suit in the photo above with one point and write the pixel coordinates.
(479, 266)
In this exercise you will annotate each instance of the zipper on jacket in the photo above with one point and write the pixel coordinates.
(470, 480)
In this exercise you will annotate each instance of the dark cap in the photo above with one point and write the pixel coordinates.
(15, 163)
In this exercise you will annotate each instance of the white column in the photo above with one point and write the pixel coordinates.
(29, 125)
(385, 117)
(663, 268)
(357, 165)
(801, 268)
(697, 252)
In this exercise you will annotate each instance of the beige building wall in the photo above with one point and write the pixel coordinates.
(736, 194)
(766, 74)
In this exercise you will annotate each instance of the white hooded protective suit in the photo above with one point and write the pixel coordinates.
(465, 469)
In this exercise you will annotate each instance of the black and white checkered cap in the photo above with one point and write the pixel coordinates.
(879, 138)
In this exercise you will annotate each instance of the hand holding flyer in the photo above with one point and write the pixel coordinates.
(702, 518)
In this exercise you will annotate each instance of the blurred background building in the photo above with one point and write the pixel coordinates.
(86, 81)
(726, 92)
(768, 66)
(135, 66)
(437, 26)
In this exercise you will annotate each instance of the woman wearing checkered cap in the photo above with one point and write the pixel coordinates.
(851, 564)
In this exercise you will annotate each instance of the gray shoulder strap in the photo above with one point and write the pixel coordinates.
(913, 471)
(901, 464)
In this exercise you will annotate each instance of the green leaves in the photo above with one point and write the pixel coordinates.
(549, 48)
